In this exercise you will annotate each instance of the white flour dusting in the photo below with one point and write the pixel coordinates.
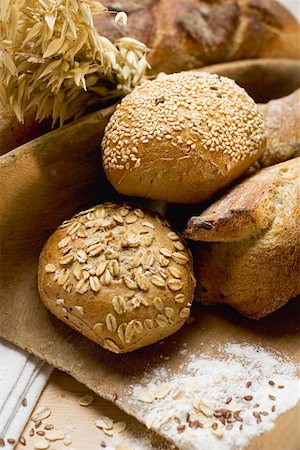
(218, 402)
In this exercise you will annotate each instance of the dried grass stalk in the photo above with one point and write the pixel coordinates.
(54, 60)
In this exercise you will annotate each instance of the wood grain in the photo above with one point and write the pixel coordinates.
(61, 396)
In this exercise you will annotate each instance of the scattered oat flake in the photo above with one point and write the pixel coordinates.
(55, 435)
(40, 413)
(86, 400)
(42, 444)
(146, 396)
(105, 423)
(162, 391)
(119, 427)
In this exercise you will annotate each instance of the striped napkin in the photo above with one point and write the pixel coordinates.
(22, 379)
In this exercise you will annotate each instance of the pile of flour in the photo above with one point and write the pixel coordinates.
(218, 402)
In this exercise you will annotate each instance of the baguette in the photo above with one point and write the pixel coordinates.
(282, 120)
(185, 34)
(251, 255)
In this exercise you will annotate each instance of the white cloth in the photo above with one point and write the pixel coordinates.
(22, 376)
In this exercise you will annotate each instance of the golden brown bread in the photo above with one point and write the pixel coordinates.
(251, 257)
(181, 138)
(185, 34)
(282, 121)
(119, 275)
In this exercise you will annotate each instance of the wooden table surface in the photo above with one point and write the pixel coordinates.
(61, 395)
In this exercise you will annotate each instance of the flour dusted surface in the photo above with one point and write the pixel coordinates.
(220, 401)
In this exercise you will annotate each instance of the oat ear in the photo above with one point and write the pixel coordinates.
(244, 211)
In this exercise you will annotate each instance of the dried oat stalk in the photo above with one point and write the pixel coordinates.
(54, 60)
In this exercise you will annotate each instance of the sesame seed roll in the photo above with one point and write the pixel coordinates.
(181, 138)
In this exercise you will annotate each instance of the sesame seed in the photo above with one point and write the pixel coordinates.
(221, 114)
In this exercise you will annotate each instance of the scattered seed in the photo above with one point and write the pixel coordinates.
(103, 444)
(146, 396)
(42, 444)
(204, 408)
(38, 423)
(11, 441)
(31, 432)
(40, 433)
(104, 423)
(248, 384)
(2, 443)
(24, 402)
(248, 398)
(273, 408)
(272, 397)
(22, 441)
(280, 387)
(181, 428)
(257, 416)
(228, 400)
(55, 435)
(271, 383)
(162, 391)
(86, 400)
(119, 427)
(49, 426)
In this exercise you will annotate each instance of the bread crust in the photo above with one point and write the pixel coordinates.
(118, 275)
(182, 138)
(185, 34)
(282, 119)
(256, 268)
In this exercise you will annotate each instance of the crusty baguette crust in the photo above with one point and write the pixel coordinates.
(282, 119)
(185, 34)
(259, 271)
